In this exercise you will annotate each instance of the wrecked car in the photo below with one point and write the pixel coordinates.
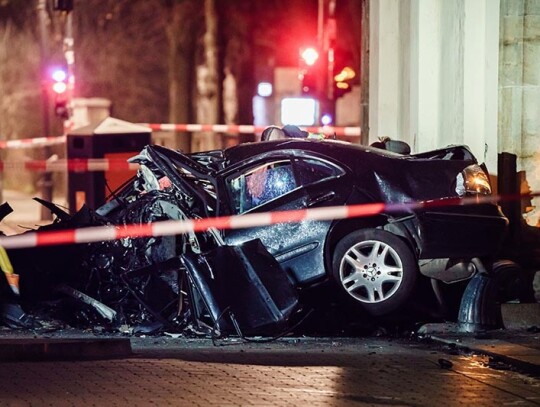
(256, 272)
(375, 261)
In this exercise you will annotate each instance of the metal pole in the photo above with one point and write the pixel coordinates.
(320, 25)
(46, 180)
(330, 46)
(44, 55)
(364, 71)
(69, 54)
(507, 184)
(321, 47)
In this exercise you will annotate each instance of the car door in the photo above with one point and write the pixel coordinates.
(280, 184)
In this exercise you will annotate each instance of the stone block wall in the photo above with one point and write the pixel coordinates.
(519, 93)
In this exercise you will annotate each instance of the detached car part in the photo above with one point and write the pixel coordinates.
(243, 289)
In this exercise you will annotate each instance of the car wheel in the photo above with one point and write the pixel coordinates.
(376, 269)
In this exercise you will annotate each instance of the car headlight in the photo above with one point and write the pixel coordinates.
(473, 180)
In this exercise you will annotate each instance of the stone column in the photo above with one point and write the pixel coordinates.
(425, 75)
(384, 70)
(433, 73)
(519, 93)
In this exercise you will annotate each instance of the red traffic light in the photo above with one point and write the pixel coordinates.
(309, 56)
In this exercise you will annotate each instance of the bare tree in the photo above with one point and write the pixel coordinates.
(121, 54)
(20, 86)
(237, 42)
(207, 98)
(183, 27)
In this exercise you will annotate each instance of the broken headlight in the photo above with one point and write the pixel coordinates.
(473, 180)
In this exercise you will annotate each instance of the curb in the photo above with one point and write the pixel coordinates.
(524, 358)
(520, 316)
(64, 349)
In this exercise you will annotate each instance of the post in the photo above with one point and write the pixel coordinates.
(364, 72)
(507, 185)
(320, 24)
(69, 55)
(326, 36)
(46, 180)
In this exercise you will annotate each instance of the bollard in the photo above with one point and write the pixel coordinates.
(480, 307)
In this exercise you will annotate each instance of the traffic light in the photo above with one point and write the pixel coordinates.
(59, 89)
(310, 56)
(63, 5)
(309, 83)
(343, 73)
(342, 81)
(310, 71)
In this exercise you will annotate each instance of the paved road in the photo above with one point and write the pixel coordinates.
(299, 372)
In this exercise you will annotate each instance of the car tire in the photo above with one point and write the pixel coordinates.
(375, 269)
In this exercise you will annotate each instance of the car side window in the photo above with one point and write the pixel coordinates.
(311, 171)
(261, 184)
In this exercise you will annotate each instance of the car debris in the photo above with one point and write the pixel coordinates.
(101, 309)
(244, 283)
(250, 281)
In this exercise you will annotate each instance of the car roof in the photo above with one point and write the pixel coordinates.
(336, 149)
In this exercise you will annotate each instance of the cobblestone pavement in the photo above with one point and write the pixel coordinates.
(315, 372)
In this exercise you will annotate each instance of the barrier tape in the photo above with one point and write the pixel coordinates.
(71, 165)
(175, 227)
(248, 129)
(217, 128)
(33, 142)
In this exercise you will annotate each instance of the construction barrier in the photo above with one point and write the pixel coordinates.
(176, 227)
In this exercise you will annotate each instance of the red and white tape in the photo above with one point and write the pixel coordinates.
(71, 165)
(33, 142)
(216, 128)
(248, 129)
(176, 227)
